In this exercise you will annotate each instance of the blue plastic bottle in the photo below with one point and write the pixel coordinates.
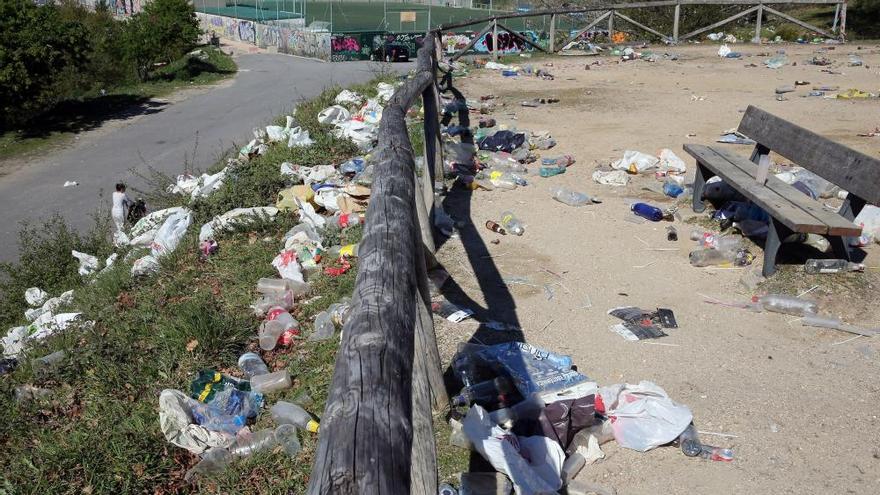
(645, 210)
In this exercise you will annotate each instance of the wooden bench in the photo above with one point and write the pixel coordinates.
(791, 210)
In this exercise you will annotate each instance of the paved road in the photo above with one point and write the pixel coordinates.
(162, 136)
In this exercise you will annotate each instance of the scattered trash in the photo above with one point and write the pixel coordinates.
(494, 227)
(611, 178)
(734, 137)
(640, 324)
(814, 266)
(572, 198)
(88, 264)
(35, 296)
(70, 183)
(450, 311)
(635, 162)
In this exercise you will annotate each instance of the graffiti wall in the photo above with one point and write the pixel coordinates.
(507, 43)
(367, 46)
(287, 40)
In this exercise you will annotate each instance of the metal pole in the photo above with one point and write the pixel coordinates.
(495, 39)
(757, 38)
(552, 45)
(675, 22)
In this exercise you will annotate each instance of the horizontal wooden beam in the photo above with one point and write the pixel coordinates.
(798, 22)
(719, 23)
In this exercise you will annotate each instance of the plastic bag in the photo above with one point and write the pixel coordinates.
(635, 162)
(179, 428)
(346, 97)
(287, 266)
(35, 296)
(308, 215)
(533, 463)
(233, 218)
(87, 263)
(277, 133)
(299, 138)
(170, 233)
(611, 178)
(643, 416)
(145, 229)
(869, 219)
(534, 370)
(384, 92)
(145, 266)
(669, 161)
(723, 50)
(334, 115)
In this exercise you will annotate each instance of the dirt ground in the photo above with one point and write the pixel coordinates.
(799, 403)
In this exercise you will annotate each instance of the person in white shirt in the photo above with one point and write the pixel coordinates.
(119, 212)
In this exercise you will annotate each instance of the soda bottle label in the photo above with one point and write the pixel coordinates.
(343, 220)
(286, 338)
(273, 313)
(506, 219)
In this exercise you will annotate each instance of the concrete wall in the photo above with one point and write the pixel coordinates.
(285, 38)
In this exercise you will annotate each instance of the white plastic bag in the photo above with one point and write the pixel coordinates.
(723, 50)
(277, 133)
(334, 115)
(329, 198)
(669, 161)
(611, 178)
(145, 229)
(384, 92)
(87, 263)
(308, 215)
(170, 233)
(635, 162)
(371, 112)
(643, 416)
(287, 266)
(869, 220)
(533, 464)
(35, 296)
(179, 427)
(299, 138)
(235, 217)
(346, 97)
(145, 266)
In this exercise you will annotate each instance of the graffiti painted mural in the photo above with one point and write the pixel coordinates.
(507, 43)
(289, 41)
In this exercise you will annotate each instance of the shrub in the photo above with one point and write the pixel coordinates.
(163, 32)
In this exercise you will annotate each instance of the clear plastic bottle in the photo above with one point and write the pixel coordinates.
(446, 489)
(340, 311)
(281, 286)
(269, 333)
(214, 460)
(832, 266)
(487, 392)
(47, 362)
(288, 413)
(721, 243)
(511, 223)
(502, 180)
(789, 305)
(324, 327)
(252, 365)
(713, 257)
(345, 220)
(571, 198)
(214, 419)
(291, 326)
(691, 447)
(347, 251)
(258, 441)
(285, 435)
(271, 382)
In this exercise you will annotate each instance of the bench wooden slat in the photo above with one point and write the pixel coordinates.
(856, 172)
(837, 225)
(777, 206)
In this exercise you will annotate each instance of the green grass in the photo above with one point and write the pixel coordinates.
(98, 432)
(92, 109)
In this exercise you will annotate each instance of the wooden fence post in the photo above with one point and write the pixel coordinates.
(836, 17)
(611, 26)
(843, 21)
(758, 19)
(495, 39)
(675, 22)
(552, 42)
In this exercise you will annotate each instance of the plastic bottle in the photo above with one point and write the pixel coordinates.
(271, 382)
(275, 299)
(571, 198)
(672, 189)
(340, 311)
(511, 223)
(345, 220)
(789, 305)
(721, 243)
(281, 285)
(324, 327)
(545, 143)
(214, 460)
(288, 413)
(48, 361)
(550, 167)
(446, 489)
(645, 210)
(494, 227)
(487, 392)
(832, 266)
(464, 366)
(502, 180)
(246, 446)
(214, 419)
(252, 365)
(285, 435)
(714, 257)
(269, 333)
(691, 447)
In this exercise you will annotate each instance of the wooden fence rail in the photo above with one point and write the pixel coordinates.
(376, 432)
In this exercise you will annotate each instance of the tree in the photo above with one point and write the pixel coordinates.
(163, 32)
(38, 52)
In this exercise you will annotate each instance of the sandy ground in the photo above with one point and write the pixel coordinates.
(802, 406)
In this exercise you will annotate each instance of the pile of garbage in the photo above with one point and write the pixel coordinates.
(539, 421)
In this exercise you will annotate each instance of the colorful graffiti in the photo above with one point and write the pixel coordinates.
(507, 43)
(287, 40)
(127, 7)
(345, 47)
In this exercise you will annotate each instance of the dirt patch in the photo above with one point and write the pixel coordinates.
(800, 402)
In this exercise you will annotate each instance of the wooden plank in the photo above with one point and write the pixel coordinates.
(578, 34)
(552, 42)
(366, 440)
(851, 170)
(780, 208)
(471, 43)
(642, 26)
(719, 23)
(799, 22)
(611, 27)
(522, 38)
(424, 453)
(495, 39)
(758, 19)
(675, 23)
(837, 225)
(842, 32)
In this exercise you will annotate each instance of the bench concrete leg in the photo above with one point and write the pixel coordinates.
(702, 175)
(850, 209)
(775, 234)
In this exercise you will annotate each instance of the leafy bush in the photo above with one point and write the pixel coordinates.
(163, 32)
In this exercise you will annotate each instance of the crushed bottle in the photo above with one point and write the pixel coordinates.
(324, 327)
(571, 198)
(789, 305)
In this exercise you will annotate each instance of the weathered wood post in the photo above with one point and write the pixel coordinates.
(495, 39)
(836, 17)
(552, 43)
(611, 26)
(758, 19)
(843, 21)
(675, 22)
